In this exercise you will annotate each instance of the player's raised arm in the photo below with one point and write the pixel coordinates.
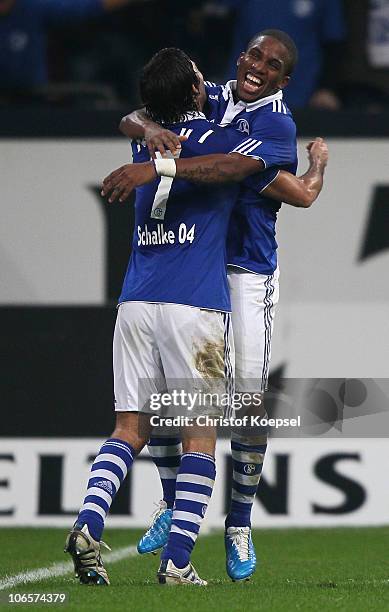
(301, 191)
(138, 125)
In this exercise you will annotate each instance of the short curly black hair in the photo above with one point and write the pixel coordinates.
(166, 86)
(286, 40)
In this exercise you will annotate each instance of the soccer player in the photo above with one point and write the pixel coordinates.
(174, 305)
(253, 105)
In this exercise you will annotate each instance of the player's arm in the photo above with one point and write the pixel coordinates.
(301, 191)
(137, 125)
(297, 191)
(215, 168)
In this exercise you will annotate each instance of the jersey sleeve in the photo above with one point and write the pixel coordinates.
(258, 182)
(215, 99)
(274, 143)
(55, 11)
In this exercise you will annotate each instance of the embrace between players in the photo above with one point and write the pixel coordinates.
(210, 201)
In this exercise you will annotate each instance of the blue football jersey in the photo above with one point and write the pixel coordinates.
(270, 135)
(179, 242)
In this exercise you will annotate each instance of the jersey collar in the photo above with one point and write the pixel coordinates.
(251, 106)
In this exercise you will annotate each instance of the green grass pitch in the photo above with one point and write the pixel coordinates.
(299, 569)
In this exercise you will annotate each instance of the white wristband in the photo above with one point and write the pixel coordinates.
(165, 167)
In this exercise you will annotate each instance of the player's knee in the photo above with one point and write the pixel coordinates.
(133, 428)
(199, 445)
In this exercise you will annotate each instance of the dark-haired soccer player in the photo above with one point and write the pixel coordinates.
(174, 305)
(252, 105)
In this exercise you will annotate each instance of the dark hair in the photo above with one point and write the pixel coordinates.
(286, 40)
(166, 86)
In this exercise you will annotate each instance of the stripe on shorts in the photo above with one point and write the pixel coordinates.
(268, 318)
(228, 368)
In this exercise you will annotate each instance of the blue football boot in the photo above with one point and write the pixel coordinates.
(240, 553)
(157, 534)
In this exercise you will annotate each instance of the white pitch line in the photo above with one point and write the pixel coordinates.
(60, 569)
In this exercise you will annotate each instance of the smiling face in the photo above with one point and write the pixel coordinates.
(262, 69)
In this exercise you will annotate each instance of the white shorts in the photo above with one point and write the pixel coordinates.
(253, 299)
(160, 347)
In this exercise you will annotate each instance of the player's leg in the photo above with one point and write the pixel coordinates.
(166, 454)
(197, 353)
(254, 298)
(195, 481)
(133, 338)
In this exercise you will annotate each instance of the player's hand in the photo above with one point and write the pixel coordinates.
(162, 140)
(122, 181)
(318, 151)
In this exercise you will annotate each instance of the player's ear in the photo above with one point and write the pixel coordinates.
(241, 56)
(284, 82)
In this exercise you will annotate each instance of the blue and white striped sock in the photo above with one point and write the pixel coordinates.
(166, 454)
(195, 481)
(108, 471)
(247, 462)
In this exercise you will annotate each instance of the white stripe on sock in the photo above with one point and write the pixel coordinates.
(112, 459)
(184, 532)
(168, 473)
(243, 457)
(121, 446)
(195, 497)
(98, 492)
(196, 479)
(246, 480)
(181, 515)
(200, 456)
(94, 508)
(239, 497)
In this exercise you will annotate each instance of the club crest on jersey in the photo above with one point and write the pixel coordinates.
(249, 468)
(243, 126)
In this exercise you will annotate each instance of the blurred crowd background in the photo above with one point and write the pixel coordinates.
(87, 53)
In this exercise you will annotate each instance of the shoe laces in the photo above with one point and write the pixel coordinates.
(161, 506)
(241, 539)
(98, 553)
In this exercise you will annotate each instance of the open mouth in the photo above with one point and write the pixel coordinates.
(252, 83)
